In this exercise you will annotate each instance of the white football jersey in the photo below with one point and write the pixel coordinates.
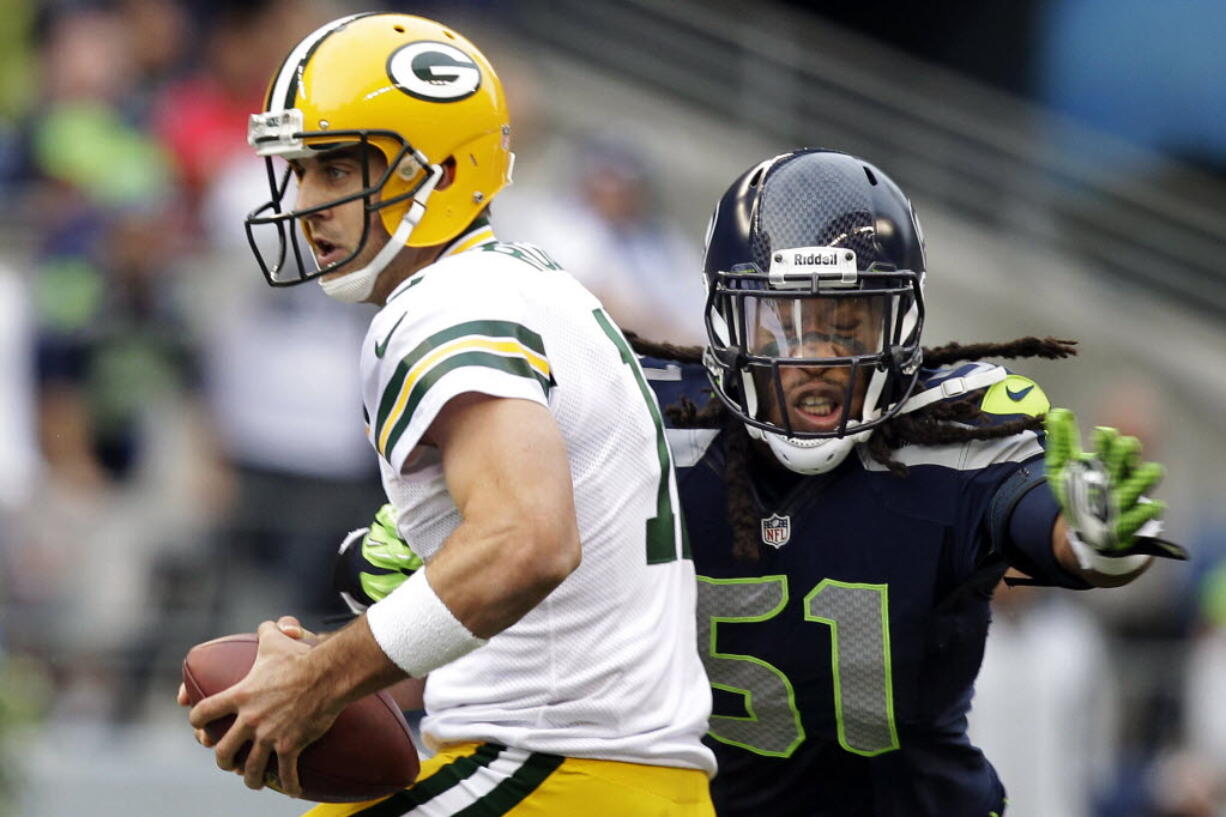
(607, 665)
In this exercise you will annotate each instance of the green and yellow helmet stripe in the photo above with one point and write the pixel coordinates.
(283, 90)
(501, 345)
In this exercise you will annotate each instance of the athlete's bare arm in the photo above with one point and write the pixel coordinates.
(508, 474)
(506, 469)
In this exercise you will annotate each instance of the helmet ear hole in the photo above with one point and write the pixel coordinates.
(449, 170)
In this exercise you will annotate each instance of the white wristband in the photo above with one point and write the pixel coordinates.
(1090, 559)
(416, 630)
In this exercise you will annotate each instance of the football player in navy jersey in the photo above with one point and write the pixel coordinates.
(876, 492)
(853, 498)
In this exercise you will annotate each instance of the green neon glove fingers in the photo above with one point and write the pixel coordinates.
(1100, 491)
(1131, 520)
(1062, 444)
(389, 555)
(378, 586)
(1145, 477)
(1122, 457)
(383, 547)
(372, 562)
(1102, 440)
(385, 517)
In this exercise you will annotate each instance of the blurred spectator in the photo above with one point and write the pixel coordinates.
(106, 332)
(159, 46)
(110, 355)
(1201, 765)
(111, 344)
(1181, 770)
(282, 386)
(608, 231)
(1045, 706)
(17, 80)
(19, 459)
(202, 117)
(80, 136)
(280, 368)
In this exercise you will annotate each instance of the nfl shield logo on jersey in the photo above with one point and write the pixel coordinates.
(777, 530)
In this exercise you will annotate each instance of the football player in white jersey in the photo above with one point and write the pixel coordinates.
(520, 446)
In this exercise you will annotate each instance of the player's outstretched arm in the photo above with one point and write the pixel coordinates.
(1108, 530)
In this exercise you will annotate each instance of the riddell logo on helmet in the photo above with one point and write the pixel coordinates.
(819, 259)
(807, 267)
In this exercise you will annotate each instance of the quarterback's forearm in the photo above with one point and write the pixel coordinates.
(491, 572)
(350, 664)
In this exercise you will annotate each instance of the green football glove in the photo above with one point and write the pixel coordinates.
(1101, 492)
(373, 562)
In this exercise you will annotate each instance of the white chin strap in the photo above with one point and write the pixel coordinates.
(356, 286)
(809, 456)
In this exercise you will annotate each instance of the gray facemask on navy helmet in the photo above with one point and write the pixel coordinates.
(814, 269)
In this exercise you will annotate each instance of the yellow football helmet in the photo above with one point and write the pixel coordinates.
(415, 90)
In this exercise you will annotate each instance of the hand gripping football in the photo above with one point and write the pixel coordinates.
(366, 754)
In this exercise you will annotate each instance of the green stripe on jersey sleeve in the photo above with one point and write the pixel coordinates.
(479, 359)
(492, 329)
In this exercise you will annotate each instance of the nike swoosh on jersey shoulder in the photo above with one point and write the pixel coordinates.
(381, 348)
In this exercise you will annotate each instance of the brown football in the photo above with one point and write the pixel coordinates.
(366, 754)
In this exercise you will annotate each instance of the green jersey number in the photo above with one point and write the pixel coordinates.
(662, 529)
(531, 255)
(858, 618)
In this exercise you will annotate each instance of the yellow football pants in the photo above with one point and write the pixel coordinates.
(487, 780)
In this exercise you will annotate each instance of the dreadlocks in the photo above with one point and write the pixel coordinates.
(937, 424)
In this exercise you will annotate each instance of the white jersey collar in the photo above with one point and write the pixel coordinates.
(479, 234)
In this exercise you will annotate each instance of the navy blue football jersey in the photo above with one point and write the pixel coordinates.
(843, 660)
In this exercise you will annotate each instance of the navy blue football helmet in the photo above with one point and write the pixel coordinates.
(814, 269)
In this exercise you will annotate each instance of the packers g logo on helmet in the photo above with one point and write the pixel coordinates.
(434, 71)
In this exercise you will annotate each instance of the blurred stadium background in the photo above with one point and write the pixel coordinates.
(179, 445)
